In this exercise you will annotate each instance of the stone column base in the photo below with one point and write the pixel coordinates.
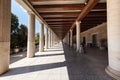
(41, 50)
(4, 56)
(31, 49)
(115, 74)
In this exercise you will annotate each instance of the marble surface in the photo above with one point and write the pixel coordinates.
(60, 63)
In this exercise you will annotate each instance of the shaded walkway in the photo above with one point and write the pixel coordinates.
(60, 63)
(89, 66)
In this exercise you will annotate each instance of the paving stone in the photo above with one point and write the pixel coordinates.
(60, 62)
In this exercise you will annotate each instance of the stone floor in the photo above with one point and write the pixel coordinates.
(59, 63)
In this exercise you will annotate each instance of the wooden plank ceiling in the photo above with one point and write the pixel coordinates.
(62, 14)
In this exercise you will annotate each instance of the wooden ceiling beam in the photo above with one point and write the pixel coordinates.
(62, 27)
(89, 25)
(43, 8)
(90, 5)
(94, 19)
(60, 30)
(55, 2)
(59, 21)
(97, 13)
(96, 16)
(48, 9)
(60, 13)
(50, 20)
(59, 6)
(58, 25)
(60, 17)
(57, 29)
(65, 11)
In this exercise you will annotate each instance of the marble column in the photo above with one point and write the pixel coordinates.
(68, 39)
(78, 35)
(41, 40)
(31, 36)
(46, 38)
(49, 39)
(71, 33)
(53, 39)
(5, 25)
(65, 40)
(113, 30)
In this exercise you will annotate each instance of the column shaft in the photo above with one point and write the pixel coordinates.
(31, 36)
(46, 39)
(67, 38)
(49, 38)
(41, 45)
(5, 25)
(71, 33)
(113, 29)
(78, 35)
(53, 39)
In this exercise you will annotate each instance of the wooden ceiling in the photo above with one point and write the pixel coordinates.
(61, 15)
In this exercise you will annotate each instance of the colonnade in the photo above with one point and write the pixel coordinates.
(69, 37)
(113, 33)
(43, 38)
(46, 40)
(113, 30)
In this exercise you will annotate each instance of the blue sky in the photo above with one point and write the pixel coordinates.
(22, 15)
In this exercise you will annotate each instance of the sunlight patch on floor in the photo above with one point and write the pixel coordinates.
(48, 65)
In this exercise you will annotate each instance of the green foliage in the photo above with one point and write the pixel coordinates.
(37, 39)
(14, 24)
(22, 33)
(18, 33)
(14, 30)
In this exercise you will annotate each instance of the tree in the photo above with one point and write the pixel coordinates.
(14, 30)
(14, 23)
(22, 33)
(37, 39)
(18, 33)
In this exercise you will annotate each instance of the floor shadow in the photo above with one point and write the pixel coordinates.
(89, 66)
(34, 68)
(19, 56)
(47, 55)
(52, 50)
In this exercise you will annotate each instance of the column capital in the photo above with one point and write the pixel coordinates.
(71, 30)
(30, 12)
(41, 22)
(45, 25)
(78, 22)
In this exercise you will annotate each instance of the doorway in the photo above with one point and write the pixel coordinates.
(84, 40)
(94, 40)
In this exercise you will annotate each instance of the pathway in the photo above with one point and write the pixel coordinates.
(60, 63)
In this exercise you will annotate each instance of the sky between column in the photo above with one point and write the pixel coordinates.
(23, 15)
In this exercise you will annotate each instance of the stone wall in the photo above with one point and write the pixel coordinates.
(100, 31)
